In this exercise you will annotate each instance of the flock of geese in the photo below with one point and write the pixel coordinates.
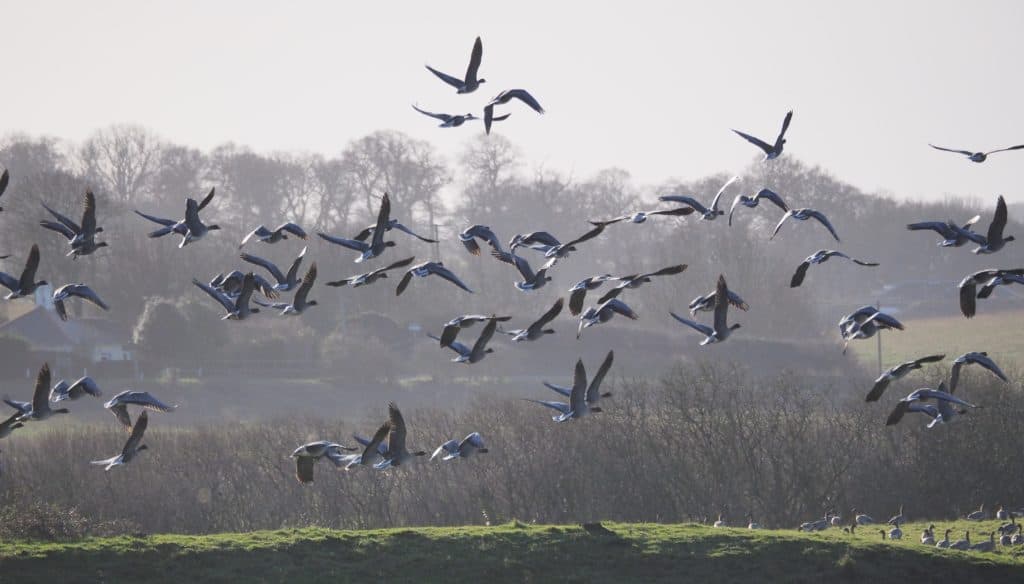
(242, 294)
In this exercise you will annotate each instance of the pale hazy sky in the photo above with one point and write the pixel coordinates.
(652, 87)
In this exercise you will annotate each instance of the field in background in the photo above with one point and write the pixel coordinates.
(512, 552)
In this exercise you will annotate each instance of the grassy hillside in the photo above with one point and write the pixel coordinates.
(510, 553)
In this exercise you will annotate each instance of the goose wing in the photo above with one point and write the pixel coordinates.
(138, 429)
(155, 219)
(718, 195)
(485, 337)
(8, 281)
(766, 147)
(453, 81)
(474, 61)
(304, 469)
(438, 269)
(770, 195)
(41, 394)
(995, 228)
(943, 229)
(703, 328)
(299, 301)
(619, 307)
(586, 236)
(566, 391)
(824, 221)
(721, 306)
(408, 231)
(349, 243)
(85, 385)
(519, 262)
(667, 271)
(560, 406)
(1017, 147)
(577, 296)
(449, 447)
(469, 235)
(28, 275)
(685, 200)
(548, 316)
(192, 215)
(206, 200)
(404, 282)
(964, 152)
(89, 214)
(799, 274)
(523, 96)
(594, 389)
(260, 232)
(86, 293)
(396, 437)
(216, 295)
(383, 220)
(4, 179)
(578, 395)
(443, 117)
(897, 413)
(64, 220)
(968, 289)
(785, 126)
(58, 227)
(781, 221)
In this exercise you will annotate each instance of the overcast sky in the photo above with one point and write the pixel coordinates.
(653, 89)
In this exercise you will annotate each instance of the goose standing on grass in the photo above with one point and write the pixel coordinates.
(469, 235)
(578, 292)
(721, 329)
(41, 399)
(753, 202)
(25, 284)
(480, 348)
(237, 309)
(771, 151)
(377, 245)
(172, 226)
(706, 213)
(505, 97)
(371, 276)
(118, 405)
(428, 269)
(604, 312)
(81, 238)
(994, 240)
(84, 386)
(952, 235)
(582, 400)
(8, 426)
(307, 455)
(531, 280)
(969, 287)
(469, 83)
(77, 290)
(453, 449)
(976, 156)
(977, 358)
(636, 280)
(454, 326)
(898, 372)
(275, 235)
(300, 302)
(941, 412)
(803, 215)
(642, 216)
(536, 329)
(285, 282)
(594, 388)
(4, 179)
(131, 447)
(945, 543)
(819, 257)
(397, 453)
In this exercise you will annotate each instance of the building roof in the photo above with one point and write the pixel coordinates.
(44, 331)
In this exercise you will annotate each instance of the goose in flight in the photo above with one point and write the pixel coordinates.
(994, 240)
(397, 453)
(454, 449)
(975, 358)
(81, 237)
(941, 412)
(595, 384)
(131, 447)
(377, 243)
(969, 286)
(562, 250)
(469, 235)
(1001, 280)
(371, 276)
(237, 309)
(391, 224)
(541, 241)
(771, 151)
(426, 269)
(721, 329)
(455, 120)
(709, 301)
(454, 326)
(819, 257)
(531, 280)
(582, 400)
(480, 348)
(864, 323)
(300, 301)
(636, 280)
(707, 214)
(285, 282)
(752, 202)
(505, 97)
(231, 285)
(307, 455)
(275, 235)
(642, 216)
(25, 284)
(469, 83)
(374, 448)
(578, 292)
(976, 156)
(118, 405)
(804, 215)
(196, 229)
(84, 386)
(536, 330)
(78, 290)
(40, 409)
(898, 372)
(8, 426)
(4, 179)
(604, 312)
(172, 226)
(952, 234)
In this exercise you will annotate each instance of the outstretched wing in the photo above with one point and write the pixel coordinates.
(755, 141)
(548, 316)
(216, 295)
(964, 152)
(798, 276)
(824, 221)
(266, 265)
(443, 117)
(453, 81)
(474, 61)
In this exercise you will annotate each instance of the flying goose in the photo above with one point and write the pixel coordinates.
(172, 226)
(300, 301)
(374, 448)
(11, 424)
(562, 250)
(1000, 280)
(581, 400)
(819, 257)
(84, 386)
(541, 241)
(237, 309)
(455, 120)
(377, 243)
(594, 389)
(977, 358)
(81, 238)
(969, 287)
(371, 276)
(285, 282)
(978, 515)
(426, 269)
(604, 312)
(709, 301)
(41, 399)
(397, 454)
(480, 348)
(578, 292)
(952, 234)
(307, 455)
(79, 290)
(721, 330)
(941, 412)
(752, 202)
(469, 83)
(864, 323)
(505, 97)
(771, 151)
(898, 372)
(454, 326)
(642, 216)
(531, 280)
(275, 235)
(804, 215)
(453, 449)
(707, 214)
(994, 240)
(24, 285)
(231, 284)
(118, 405)
(976, 156)
(4, 179)
(391, 224)
(469, 235)
(131, 446)
(536, 330)
(635, 281)
(196, 229)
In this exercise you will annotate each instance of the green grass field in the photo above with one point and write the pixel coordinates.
(513, 553)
